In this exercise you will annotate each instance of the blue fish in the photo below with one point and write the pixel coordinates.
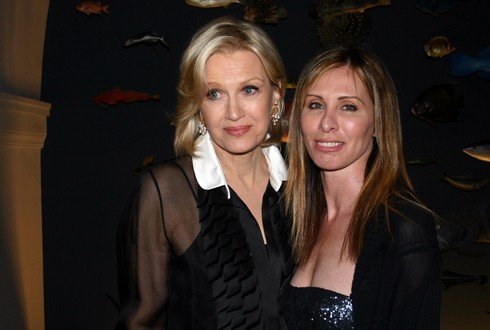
(437, 7)
(462, 64)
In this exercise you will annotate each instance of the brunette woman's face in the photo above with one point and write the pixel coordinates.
(238, 103)
(337, 121)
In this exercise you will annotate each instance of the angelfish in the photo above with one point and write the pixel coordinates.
(479, 151)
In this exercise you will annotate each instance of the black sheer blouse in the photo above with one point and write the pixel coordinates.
(190, 258)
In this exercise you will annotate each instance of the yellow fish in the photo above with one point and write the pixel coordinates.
(480, 151)
(466, 183)
(438, 47)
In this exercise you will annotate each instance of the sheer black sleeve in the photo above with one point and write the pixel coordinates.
(415, 303)
(158, 222)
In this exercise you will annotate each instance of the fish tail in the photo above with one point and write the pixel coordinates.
(462, 64)
(155, 97)
(105, 9)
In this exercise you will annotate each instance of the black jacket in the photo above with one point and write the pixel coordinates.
(397, 277)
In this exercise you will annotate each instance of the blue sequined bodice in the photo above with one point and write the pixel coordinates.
(316, 308)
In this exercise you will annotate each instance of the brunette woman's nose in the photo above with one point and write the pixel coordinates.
(328, 122)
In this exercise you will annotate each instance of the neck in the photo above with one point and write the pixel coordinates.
(247, 169)
(341, 189)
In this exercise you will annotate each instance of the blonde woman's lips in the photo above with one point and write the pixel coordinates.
(238, 130)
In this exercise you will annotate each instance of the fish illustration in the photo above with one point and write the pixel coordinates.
(461, 229)
(343, 22)
(449, 278)
(466, 182)
(462, 64)
(439, 103)
(92, 7)
(148, 38)
(438, 47)
(257, 11)
(117, 95)
(211, 3)
(147, 162)
(438, 7)
(421, 160)
(479, 151)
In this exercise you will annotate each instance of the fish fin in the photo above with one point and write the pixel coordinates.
(117, 89)
(484, 53)
(462, 64)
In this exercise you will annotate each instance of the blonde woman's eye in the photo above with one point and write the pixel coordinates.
(250, 90)
(212, 94)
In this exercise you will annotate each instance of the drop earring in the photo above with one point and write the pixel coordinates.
(275, 115)
(200, 125)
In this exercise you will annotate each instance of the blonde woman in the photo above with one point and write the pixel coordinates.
(204, 243)
(365, 246)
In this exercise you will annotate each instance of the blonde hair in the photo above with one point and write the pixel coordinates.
(385, 174)
(220, 35)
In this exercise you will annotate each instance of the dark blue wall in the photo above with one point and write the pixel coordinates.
(90, 152)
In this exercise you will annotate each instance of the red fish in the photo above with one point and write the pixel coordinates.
(117, 95)
(92, 7)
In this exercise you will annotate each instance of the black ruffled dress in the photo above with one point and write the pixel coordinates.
(190, 258)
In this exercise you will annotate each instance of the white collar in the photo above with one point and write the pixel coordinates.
(209, 173)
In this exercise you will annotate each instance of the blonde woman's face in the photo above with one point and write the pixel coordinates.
(337, 121)
(237, 105)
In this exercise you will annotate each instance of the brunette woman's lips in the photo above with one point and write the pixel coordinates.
(238, 130)
(329, 146)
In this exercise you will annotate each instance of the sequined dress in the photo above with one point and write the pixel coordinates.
(315, 308)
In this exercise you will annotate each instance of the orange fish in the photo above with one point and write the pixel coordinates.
(92, 7)
(117, 95)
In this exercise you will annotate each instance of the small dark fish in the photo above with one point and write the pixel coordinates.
(462, 64)
(263, 11)
(438, 7)
(438, 47)
(343, 22)
(479, 151)
(328, 7)
(465, 182)
(449, 279)
(148, 38)
(421, 160)
(147, 162)
(438, 103)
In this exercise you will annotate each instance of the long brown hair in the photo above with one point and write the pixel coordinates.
(385, 174)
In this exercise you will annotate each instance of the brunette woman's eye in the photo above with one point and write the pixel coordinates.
(349, 107)
(315, 105)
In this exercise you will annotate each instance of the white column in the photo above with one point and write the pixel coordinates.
(22, 134)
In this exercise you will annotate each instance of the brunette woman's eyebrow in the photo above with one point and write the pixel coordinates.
(351, 97)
